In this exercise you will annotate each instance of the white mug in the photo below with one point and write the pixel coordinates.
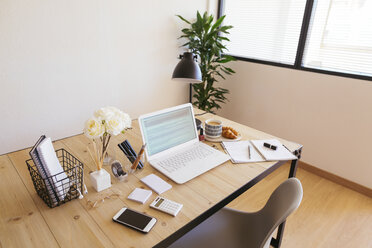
(213, 128)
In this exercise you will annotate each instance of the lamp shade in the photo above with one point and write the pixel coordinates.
(187, 69)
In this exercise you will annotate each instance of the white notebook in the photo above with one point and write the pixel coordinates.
(48, 182)
(50, 162)
(281, 153)
(239, 151)
(156, 183)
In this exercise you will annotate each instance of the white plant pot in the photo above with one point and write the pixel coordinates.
(100, 180)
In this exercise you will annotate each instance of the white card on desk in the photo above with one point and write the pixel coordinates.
(156, 183)
(140, 195)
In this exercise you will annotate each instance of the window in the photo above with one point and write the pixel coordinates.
(265, 29)
(329, 36)
(340, 37)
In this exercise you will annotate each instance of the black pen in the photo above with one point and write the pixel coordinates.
(132, 153)
(125, 152)
(131, 148)
(123, 149)
(131, 156)
(129, 151)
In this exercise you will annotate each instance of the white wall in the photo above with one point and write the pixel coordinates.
(331, 116)
(61, 60)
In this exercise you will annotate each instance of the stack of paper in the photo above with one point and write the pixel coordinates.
(140, 195)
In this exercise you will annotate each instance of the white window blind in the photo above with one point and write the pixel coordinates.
(340, 37)
(264, 29)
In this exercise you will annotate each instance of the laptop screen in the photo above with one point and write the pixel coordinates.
(167, 130)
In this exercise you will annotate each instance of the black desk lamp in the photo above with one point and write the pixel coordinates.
(188, 70)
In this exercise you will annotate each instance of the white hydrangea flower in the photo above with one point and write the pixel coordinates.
(113, 119)
(104, 113)
(114, 125)
(94, 128)
(125, 118)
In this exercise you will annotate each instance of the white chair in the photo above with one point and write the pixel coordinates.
(229, 228)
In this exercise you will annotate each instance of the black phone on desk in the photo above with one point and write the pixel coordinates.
(138, 221)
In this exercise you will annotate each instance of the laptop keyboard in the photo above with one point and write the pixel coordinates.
(180, 160)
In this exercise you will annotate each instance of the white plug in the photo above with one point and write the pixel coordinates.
(85, 189)
(80, 195)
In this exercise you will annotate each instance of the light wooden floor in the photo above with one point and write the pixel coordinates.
(330, 215)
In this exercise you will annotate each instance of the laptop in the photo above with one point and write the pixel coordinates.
(173, 146)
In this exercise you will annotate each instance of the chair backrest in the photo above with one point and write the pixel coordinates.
(282, 202)
(235, 228)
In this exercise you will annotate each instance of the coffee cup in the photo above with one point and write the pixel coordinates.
(213, 128)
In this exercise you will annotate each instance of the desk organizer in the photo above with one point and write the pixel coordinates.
(74, 171)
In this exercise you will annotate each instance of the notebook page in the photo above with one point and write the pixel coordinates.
(238, 151)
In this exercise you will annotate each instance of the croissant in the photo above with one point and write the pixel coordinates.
(229, 132)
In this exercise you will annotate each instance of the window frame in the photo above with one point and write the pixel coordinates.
(300, 48)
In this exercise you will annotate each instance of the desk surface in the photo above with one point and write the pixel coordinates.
(27, 221)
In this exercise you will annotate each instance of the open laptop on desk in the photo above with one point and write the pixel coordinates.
(173, 145)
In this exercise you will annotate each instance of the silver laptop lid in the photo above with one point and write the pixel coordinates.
(167, 129)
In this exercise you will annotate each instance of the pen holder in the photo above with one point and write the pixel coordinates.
(128, 164)
(69, 187)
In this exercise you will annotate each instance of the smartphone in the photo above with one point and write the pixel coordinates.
(134, 219)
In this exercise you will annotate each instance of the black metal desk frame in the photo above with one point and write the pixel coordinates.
(275, 242)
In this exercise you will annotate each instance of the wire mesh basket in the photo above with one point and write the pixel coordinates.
(62, 187)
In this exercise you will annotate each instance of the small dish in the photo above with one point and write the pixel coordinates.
(221, 139)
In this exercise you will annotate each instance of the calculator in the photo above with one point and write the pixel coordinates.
(166, 206)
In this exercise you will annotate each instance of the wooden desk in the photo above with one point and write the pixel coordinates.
(26, 221)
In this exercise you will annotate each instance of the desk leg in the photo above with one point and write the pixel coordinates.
(279, 236)
(293, 169)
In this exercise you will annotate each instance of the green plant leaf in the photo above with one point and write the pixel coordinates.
(229, 70)
(218, 22)
(183, 19)
(223, 38)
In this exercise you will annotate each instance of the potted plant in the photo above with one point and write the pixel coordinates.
(205, 40)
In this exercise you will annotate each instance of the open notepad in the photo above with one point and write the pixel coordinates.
(239, 151)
